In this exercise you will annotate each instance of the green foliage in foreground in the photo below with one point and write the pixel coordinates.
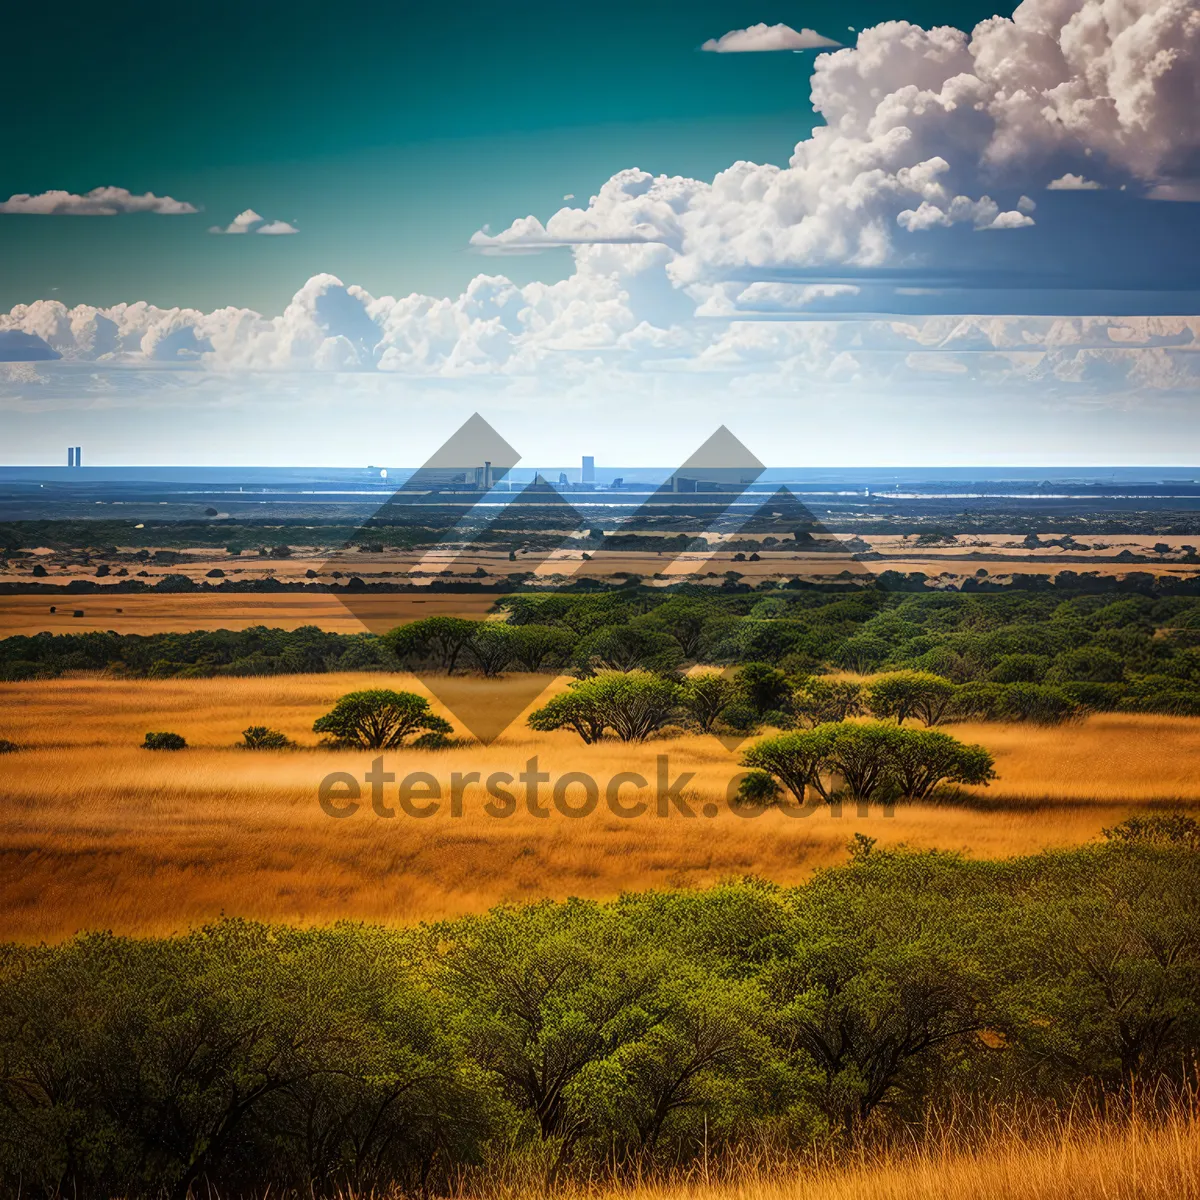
(586, 1036)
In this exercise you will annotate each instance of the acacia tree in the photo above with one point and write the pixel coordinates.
(871, 759)
(881, 979)
(863, 755)
(379, 719)
(922, 760)
(436, 641)
(863, 652)
(539, 647)
(570, 710)
(682, 619)
(492, 648)
(795, 759)
(764, 688)
(819, 701)
(628, 648)
(634, 705)
(905, 694)
(705, 697)
(544, 994)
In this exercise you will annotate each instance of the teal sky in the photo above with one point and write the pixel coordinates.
(990, 252)
(387, 133)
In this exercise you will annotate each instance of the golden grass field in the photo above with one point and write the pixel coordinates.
(1134, 1161)
(182, 612)
(98, 833)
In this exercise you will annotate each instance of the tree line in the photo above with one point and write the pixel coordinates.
(1014, 656)
(619, 1038)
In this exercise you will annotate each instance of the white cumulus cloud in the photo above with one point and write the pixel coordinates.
(763, 37)
(924, 130)
(1073, 183)
(249, 221)
(99, 202)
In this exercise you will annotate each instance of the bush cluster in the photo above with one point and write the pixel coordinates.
(592, 1038)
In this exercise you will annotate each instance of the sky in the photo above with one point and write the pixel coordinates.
(864, 233)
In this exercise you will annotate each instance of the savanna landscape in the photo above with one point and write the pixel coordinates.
(600, 605)
(896, 894)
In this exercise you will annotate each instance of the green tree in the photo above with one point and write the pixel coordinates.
(436, 641)
(923, 759)
(541, 647)
(628, 648)
(705, 696)
(1088, 664)
(634, 705)
(1020, 668)
(544, 993)
(795, 759)
(862, 653)
(682, 619)
(259, 737)
(881, 982)
(764, 688)
(379, 719)
(818, 701)
(905, 694)
(571, 709)
(864, 756)
(1037, 703)
(164, 741)
(493, 647)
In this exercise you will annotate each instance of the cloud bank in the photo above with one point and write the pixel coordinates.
(545, 335)
(951, 205)
(99, 202)
(758, 38)
(933, 134)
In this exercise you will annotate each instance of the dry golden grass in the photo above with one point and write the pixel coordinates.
(97, 833)
(1138, 1161)
(181, 612)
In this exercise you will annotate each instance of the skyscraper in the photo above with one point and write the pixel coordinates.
(589, 469)
(79, 456)
(70, 456)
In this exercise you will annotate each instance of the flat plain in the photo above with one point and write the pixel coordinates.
(98, 833)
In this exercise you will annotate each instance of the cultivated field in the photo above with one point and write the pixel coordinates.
(97, 833)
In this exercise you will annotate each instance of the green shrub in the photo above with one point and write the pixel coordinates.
(164, 741)
(758, 789)
(259, 737)
(661, 1031)
(1037, 703)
